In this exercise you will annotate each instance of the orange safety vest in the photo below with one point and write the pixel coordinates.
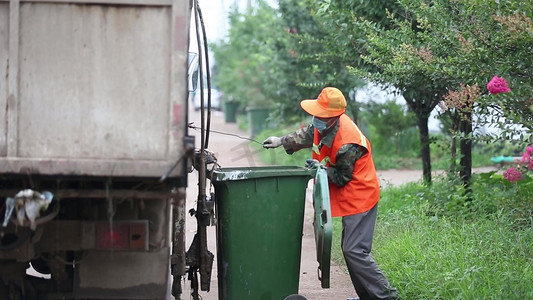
(362, 192)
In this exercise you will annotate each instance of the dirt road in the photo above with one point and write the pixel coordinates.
(234, 152)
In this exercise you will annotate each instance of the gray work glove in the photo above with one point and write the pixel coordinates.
(272, 142)
(313, 163)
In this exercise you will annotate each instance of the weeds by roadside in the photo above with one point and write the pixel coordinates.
(431, 249)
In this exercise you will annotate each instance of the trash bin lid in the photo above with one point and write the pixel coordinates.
(323, 226)
(243, 173)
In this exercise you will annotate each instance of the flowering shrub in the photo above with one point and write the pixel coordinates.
(498, 85)
(523, 166)
(462, 100)
(527, 161)
(513, 175)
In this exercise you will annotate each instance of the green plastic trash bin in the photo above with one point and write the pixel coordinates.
(323, 226)
(230, 111)
(257, 117)
(260, 214)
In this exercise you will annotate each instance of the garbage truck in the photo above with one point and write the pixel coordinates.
(93, 148)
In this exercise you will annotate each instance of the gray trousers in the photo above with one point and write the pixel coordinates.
(367, 278)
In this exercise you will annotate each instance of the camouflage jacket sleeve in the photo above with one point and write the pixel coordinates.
(346, 157)
(348, 154)
(301, 138)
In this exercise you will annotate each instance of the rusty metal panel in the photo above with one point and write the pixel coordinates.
(94, 81)
(4, 51)
(64, 235)
(112, 274)
(109, 2)
(101, 89)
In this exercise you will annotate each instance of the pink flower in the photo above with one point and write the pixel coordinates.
(529, 150)
(526, 157)
(498, 85)
(513, 175)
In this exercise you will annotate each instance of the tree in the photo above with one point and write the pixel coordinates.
(392, 124)
(311, 70)
(389, 53)
(263, 59)
(482, 39)
(429, 48)
(245, 57)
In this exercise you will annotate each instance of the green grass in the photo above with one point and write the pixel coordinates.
(448, 259)
(428, 254)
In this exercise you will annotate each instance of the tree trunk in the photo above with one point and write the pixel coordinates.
(453, 147)
(466, 151)
(453, 154)
(423, 110)
(424, 147)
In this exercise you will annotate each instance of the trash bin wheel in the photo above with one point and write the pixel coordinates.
(295, 297)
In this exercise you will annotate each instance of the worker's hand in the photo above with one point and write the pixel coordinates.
(272, 142)
(313, 163)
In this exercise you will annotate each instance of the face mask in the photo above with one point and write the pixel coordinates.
(319, 124)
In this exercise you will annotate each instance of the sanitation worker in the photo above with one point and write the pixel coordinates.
(339, 145)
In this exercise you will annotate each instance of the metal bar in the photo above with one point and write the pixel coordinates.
(135, 194)
(178, 263)
(12, 78)
(4, 71)
(89, 167)
(178, 91)
(107, 2)
(179, 223)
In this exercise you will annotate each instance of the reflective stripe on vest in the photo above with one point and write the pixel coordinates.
(315, 149)
(326, 161)
(363, 137)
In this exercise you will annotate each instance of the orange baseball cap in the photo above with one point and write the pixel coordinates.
(330, 103)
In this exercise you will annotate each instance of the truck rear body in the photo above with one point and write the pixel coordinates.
(93, 102)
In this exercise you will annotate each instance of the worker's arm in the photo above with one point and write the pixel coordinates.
(347, 155)
(301, 138)
(292, 142)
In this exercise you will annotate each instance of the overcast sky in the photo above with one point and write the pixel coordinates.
(215, 16)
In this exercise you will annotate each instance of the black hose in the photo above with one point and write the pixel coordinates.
(49, 217)
(28, 233)
(201, 205)
(20, 239)
(208, 76)
(201, 74)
